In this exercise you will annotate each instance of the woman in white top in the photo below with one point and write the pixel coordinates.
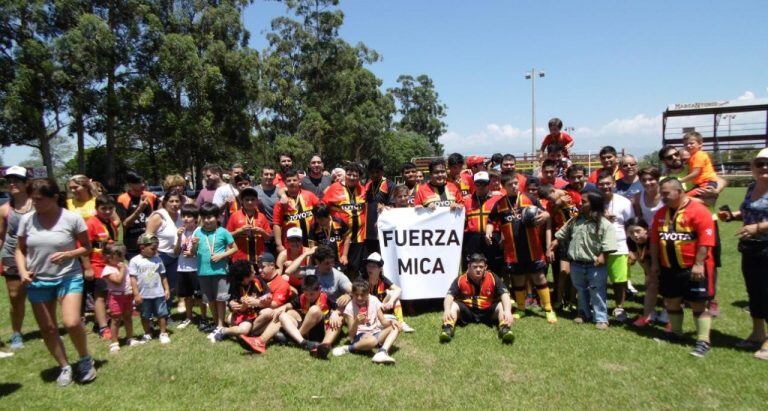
(648, 201)
(164, 224)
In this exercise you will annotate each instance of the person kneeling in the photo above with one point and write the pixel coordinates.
(474, 297)
(368, 327)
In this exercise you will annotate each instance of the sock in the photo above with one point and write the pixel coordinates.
(520, 297)
(451, 323)
(398, 311)
(351, 347)
(703, 325)
(543, 291)
(676, 321)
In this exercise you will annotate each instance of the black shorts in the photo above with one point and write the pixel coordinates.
(526, 267)
(188, 285)
(97, 285)
(678, 284)
(317, 333)
(355, 258)
(469, 315)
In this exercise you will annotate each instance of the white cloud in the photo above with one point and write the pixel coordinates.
(748, 95)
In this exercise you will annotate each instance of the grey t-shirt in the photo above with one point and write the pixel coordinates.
(149, 274)
(316, 185)
(334, 284)
(42, 243)
(268, 200)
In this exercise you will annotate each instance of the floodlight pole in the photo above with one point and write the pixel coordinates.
(532, 76)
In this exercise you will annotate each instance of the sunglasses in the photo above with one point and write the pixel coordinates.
(671, 156)
(760, 164)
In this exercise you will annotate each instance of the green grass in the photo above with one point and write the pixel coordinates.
(561, 366)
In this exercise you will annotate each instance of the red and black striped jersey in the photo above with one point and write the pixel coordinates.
(442, 196)
(478, 212)
(297, 212)
(520, 243)
(348, 204)
(679, 233)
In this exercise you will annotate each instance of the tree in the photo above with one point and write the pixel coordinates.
(420, 108)
(399, 147)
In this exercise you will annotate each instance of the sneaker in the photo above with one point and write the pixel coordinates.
(761, 354)
(748, 344)
(309, 345)
(164, 338)
(132, 342)
(447, 334)
(86, 372)
(114, 348)
(206, 327)
(407, 328)
(255, 343)
(631, 290)
(506, 335)
(620, 314)
(146, 338)
(642, 321)
(601, 326)
(216, 336)
(663, 318)
(17, 341)
(701, 349)
(106, 333)
(382, 357)
(4, 354)
(280, 338)
(516, 315)
(578, 320)
(551, 316)
(340, 350)
(714, 310)
(182, 325)
(65, 376)
(321, 351)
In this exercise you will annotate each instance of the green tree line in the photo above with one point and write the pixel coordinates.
(168, 86)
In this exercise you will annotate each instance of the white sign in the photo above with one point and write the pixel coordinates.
(421, 249)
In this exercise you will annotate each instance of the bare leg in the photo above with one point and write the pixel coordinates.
(70, 315)
(128, 321)
(17, 294)
(45, 314)
(290, 321)
(100, 308)
(387, 338)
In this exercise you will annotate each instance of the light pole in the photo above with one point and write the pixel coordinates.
(729, 117)
(531, 75)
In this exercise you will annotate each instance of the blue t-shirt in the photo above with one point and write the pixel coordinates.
(628, 190)
(212, 242)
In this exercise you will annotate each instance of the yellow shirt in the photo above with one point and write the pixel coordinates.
(85, 209)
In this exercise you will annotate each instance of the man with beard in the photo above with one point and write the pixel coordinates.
(212, 175)
(316, 181)
(294, 210)
(577, 184)
(285, 162)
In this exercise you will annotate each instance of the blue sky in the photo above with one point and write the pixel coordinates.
(611, 67)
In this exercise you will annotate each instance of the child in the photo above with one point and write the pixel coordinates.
(150, 286)
(332, 231)
(307, 320)
(556, 136)
(401, 196)
(561, 208)
(383, 289)
(120, 299)
(590, 237)
(701, 174)
(189, 287)
(249, 301)
(368, 328)
(639, 252)
(214, 247)
(292, 261)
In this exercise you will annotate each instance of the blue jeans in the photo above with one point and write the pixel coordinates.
(170, 262)
(591, 282)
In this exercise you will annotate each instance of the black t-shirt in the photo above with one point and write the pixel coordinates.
(375, 194)
(132, 233)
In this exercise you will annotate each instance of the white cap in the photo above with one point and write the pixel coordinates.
(762, 154)
(16, 171)
(294, 232)
(482, 176)
(375, 258)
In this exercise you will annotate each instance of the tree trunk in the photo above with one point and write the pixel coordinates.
(80, 130)
(45, 151)
(110, 113)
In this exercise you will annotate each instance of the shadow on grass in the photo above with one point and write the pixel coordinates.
(8, 388)
(740, 304)
(50, 374)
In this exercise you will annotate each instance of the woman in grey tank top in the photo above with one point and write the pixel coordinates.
(10, 215)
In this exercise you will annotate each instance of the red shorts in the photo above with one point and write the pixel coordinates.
(238, 318)
(118, 304)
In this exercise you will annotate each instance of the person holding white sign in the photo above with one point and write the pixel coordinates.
(477, 296)
(438, 192)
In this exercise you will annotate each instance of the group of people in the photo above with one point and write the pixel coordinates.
(295, 256)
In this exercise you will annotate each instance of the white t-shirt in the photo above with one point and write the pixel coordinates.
(622, 209)
(224, 194)
(369, 324)
(187, 264)
(149, 274)
(117, 289)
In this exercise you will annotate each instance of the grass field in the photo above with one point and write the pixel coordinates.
(561, 366)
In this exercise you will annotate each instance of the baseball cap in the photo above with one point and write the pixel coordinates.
(294, 232)
(374, 258)
(482, 176)
(17, 171)
(267, 258)
(145, 239)
(761, 154)
(475, 160)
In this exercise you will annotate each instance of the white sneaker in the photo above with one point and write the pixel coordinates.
(182, 325)
(4, 354)
(114, 348)
(340, 350)
(134, 342)
(407, 328)
(216, 335)
(164, 338)
(146, 338)
(620, 314)
(663, 317)
(382, 357)
(631, 288)
(65, 377)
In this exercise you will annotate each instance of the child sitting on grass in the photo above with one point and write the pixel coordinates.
(307, 320)
(249, 299)
(368, 327)
(383, 289)
(120, 300)
(150, 287)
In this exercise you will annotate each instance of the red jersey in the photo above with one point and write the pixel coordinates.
(478, 212)
(297, 212)
(348, 204)
(442, 196)
(295, 279)
(478, 298)
(466, 182)
(519, 242)
(279, 181)
(563, 139)
(249, 247)
(333, 235)
(617, 175)
(322, 302)
(558, 183)
(560, 215)
(100, 234)
(280, 289)
(679, 233)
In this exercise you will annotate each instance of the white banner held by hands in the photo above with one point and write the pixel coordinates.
(421, 249)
